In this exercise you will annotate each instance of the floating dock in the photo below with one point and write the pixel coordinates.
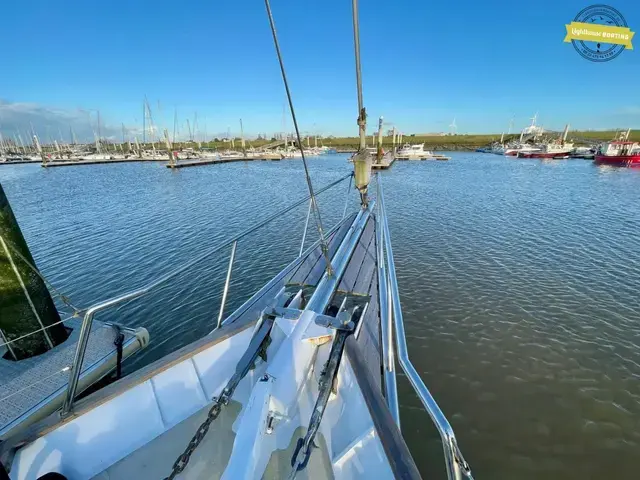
(426, 156)
(385, 162)
(18, 162)
(216, 161)
(70, 163)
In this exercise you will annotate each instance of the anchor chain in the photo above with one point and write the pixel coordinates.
(257, 348)
(344, 324)
(183, 460)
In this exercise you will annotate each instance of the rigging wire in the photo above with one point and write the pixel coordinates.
(37, 382)
(76, 311)
(316, 211)
(13, 340)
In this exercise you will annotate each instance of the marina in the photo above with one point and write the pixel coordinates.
(423, 303)
(314, 344)
(518, 264)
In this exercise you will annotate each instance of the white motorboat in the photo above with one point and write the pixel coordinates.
(417, 152)
(514, 150)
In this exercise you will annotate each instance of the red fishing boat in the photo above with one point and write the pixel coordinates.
(620, 153)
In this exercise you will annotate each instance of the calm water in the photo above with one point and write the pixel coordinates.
(519, 281)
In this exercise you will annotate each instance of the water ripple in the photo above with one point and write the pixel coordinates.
(519, 283)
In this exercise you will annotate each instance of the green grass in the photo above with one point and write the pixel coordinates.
(443, 142)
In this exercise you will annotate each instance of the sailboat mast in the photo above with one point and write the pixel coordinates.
(144, 120)
(566, 131)
(175, 121)
(244, 149)
(99, 130)
(362, 117)
(379, 151)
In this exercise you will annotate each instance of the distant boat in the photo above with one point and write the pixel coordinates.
(558, 148)
(549, 150)
(619, 154)
(417, 152)
(583, 152)
(514, 150)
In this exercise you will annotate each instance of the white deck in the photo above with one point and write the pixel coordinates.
(139, 433)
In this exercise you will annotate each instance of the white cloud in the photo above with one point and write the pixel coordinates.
(51, 123)
(632, 110)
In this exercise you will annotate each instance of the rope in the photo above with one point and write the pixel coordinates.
(118, 342)
(316, 211)
(51, 288)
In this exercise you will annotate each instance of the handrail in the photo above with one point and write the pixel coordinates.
(87, 321)
(386, 322)
(457, 467)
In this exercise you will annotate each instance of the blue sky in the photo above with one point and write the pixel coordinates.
(424, 63)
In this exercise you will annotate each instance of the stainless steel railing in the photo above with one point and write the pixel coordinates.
(87, 321)
(457, 467)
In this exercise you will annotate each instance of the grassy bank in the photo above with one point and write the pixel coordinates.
(435, 142)
(446, 142)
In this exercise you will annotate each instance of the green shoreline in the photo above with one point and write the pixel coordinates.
(434, 142)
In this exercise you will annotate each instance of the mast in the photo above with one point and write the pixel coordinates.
(566, 131)
(61, 138)
(362, 114)
(175, 121)
(144, 120)
(195, 126)
(169, 148)
(15, 143)
(362, 160)
(284, 125)
(380, 139)
(99, 130)
(190, 134)
(36, 142)
(244, 150)
(24, 150)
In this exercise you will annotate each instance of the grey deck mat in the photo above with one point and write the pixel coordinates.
(25, 383)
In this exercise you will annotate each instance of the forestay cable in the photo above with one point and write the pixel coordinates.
(316, 211)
